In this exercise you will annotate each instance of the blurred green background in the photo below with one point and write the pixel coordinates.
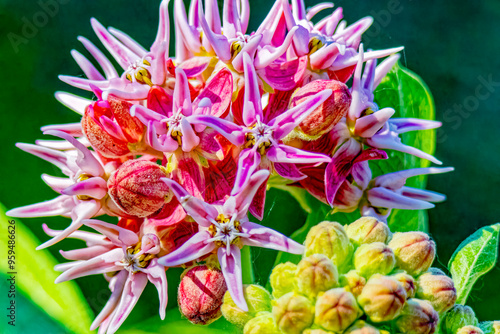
(453, 45)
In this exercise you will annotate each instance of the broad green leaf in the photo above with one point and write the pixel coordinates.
(474, 257)
(490, 327)
(35, 278)
(405, 91)
(175, 323)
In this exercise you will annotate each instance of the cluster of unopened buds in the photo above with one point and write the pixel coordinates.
(359, 278)
(179, 149)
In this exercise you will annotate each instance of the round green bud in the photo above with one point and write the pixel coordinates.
(353, 282)
(374, 258)
(470, 330)
(382, 298)
(366, 230)
(336, 310)
(457, 317)
(408, 282)
(282, 278)
(316, 273)
(437, 288)
(418, 317)
(361, 327)
(293, 313)
(258, 300)
(330, 239)
(414, 251)
(263, 323)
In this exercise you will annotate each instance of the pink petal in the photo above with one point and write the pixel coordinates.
(163, 34)
(397, 180)
(248, 163)
(230, 264)
(241, 201)
(182, 96)
(189, 138)
(289, 171)
(73, 129)
(218, 42)
(195, 66)
(385, 198)
(57, 158)
(107, 67)
(286, 75)
(128, 42)
(368, 125)
(231, 24)
(57, 183)
(317, 8)
(260, 236)
(194, 248)
(73, 102)
(189, 173)
(219, 91)
(119, 236)
(258, 202)
(91, 239)
(252, 108)
(289, 154)
(58, 206)
(94, 187)
(228, 129)
(383, 68)
(423, 195)
(119, 282)
(156, 275)
(87, 67)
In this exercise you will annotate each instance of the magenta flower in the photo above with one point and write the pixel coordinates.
(82, 193)
(260, 141)
(128, 258)
(224, 227)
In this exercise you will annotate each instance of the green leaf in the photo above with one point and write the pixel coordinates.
(488, 327)
(406, 92)
(474, 257)
(35, 277)
(175, 323)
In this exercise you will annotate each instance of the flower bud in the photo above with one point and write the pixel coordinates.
(374, 258)
(437, 288)
(457, 317)
(136, 188)
(382, 298)
(330, 239)
(316, 273)
(200, 294)
(329, 113)
(263, 323)
(418, 317)
(408, 282)
(336, 310)
(282, 278)
(316, 331)
(366, 230)
(414, 251)
(293, 313)
(353, 282)
(470, 330)
(258, 300)
(361, 327)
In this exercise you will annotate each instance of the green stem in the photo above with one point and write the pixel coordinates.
(247, 265)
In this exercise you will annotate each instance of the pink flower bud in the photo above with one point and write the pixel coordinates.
(137, 189)
(201, 293)
(329, 113)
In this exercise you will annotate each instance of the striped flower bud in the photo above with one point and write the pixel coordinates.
(353, 282)
(336, 310)
(361, 327)
(200, 294)
(293, 313)
(437, 288)
(470, 330)
(366, 230)
(418, 317)
(414, 251)
(330, 239)
(408, 282)
(457, 317)
(382, 298)
(263, 323)
(258, 300)
(282, 278)
(316, 273)
(374, 258)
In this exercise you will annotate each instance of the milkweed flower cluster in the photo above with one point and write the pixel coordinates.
(380, 283)
(180, 148)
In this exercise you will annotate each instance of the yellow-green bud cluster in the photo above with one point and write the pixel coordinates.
(358, 279)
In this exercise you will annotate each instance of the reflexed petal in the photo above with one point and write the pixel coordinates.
(248, 163)
(117, 235)
(397, 180)
(182, 96)
(369, 125)
(119, 283)
(163, 33)
(230, 265)
(87, 67)
(94, 187)
(289, 171)
(57, 158)
(260, 236)
(217, 41)
(317, 8)
(189, 138)
(156, 275)
(91, 239)
(385, 198)
(59, 206)
(194, 248)
(128, 41)
(403, 125)
(76, 103)
(107, 67)
(219, 91)
(85, 253)
(383, 68)
(228, 129)
(243, 199)
(289, 154)
(252, 108)
(73, 129)
(424, 195)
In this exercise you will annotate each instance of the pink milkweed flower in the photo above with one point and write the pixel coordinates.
(388, 191)
(142, 68)
(169, 127)
(128, 258)
(260, 141)
(83, 192)
(225, 228)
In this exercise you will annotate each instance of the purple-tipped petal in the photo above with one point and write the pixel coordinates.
(57, 158)
(369, 125)
(58, 206)
(156, 275)
(252, 108)
(200, 211)
(231, 24)
(289, 171)
(260, 236)
(117, 235)
(385, 198)
(289, 154)
(341, 62)
(240, 202)
(194, 248)
(182, 96)
(317, 8)
(91, 239)
(403, 125)
(95, 187)
(230, 264)
(228, 129)
(216, 40)
(248, 162)
(423, 195)
(383, 68)
(398, 179)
